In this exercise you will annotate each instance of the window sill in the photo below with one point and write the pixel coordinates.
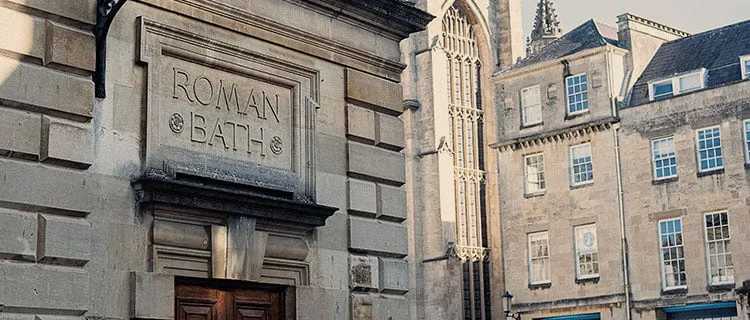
(540, 286)
(714, 288)
(710, 172)
(593, 280)
(582, 185)
(664, 181)
(576, 115)
(532, 125)
(674, 291)
(534, 195)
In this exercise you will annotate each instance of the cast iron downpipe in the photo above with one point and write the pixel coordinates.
(105, 13)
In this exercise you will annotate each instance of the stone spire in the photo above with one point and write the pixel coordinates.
(546, 27)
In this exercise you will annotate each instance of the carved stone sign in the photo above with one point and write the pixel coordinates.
(228, 111)
(228, 115)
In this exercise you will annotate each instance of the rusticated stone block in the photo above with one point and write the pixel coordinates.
(66, 143)
(394, 275)
(391, 308)
(33, 286)
(376, 162)
(18, 235)
(19, 133)
(69, 47)
(362, 197)
(374, 91)
(391, 203)
(40, 87)
(389, 132)
(360, 123)
(363, 273)
(153, 295)
(63, 241)
(368, 235)
(22, 33)
(362, 307)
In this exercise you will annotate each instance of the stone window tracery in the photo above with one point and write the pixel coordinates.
(464, 66)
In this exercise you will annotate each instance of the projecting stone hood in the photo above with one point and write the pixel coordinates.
(270, 207)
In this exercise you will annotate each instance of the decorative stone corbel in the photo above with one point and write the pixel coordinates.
(105, 13)
(466, 254)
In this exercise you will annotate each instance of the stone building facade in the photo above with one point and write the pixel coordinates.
(684, 138)
(247, 157)
(449, 118)
(622, 174)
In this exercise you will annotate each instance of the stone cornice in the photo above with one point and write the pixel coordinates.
(652, 24)
(410, 17)
(555, 135)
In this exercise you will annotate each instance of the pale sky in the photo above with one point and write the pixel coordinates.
(692, 16)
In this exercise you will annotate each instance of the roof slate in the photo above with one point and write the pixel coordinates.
(590, 34)
(717, 50)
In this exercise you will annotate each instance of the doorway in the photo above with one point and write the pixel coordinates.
(228, 300)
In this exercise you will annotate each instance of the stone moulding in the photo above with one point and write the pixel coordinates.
(556, 135)
(158, 188)
(466, 254)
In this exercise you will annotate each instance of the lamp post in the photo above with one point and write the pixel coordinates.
(507, 298)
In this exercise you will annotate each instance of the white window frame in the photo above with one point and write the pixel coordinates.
(653, 158)
(676, 89)
(524, 119)
(743, 65)
(571, 168)
(698, 150)
(526, 174)
(661, 254)
(727, 251)
(746, 138)
(568, 94)
(532, 278)
(594, 252)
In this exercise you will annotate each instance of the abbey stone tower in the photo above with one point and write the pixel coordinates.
(449, 119)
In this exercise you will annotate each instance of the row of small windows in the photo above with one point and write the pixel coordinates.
(586, 255)
(667, 88)
(581, 169)
(672, 253)
(577, 99)
(709, 154)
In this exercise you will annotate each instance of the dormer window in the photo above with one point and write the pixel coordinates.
(745, 65)
(667, 88)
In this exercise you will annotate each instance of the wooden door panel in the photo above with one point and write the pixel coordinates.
(234, 302)
(197, 310)
(253, 311)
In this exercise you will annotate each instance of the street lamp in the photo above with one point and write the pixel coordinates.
(507, 298)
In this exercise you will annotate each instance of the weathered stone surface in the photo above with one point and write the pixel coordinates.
(18, 230)
(362, 197)
(66, 143)
(369, 235)
(374, 91)
(317, 303)
(362, 307)
(394, 275)
(34, 286)
(389, 132)
(81, 10)
(69, 47)
(180, 235)
(286, 247)
(246, 248)
(360, 123)
(58, 91)
(376, 162)
(19, 133)
(391, 308)
(23, 34)
(391, 203)
(63, 241)
(33, 186)
(363, 273)
(153, 295)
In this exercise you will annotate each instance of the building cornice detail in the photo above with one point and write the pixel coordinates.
(466, 254)
(555, 136)
(653, 24)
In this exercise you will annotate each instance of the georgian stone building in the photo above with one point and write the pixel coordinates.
(684, 137)
(246, 162)
(561, 208)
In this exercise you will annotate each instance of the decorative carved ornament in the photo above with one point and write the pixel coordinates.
(466, 254)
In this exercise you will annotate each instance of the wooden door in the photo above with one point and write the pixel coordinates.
(233, 302)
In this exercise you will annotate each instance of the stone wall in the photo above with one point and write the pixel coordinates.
(689, 196)
(81, 233)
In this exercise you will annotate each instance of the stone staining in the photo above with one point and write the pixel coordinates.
(460, 45)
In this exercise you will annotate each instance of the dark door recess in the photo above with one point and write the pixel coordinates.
(228, 302)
